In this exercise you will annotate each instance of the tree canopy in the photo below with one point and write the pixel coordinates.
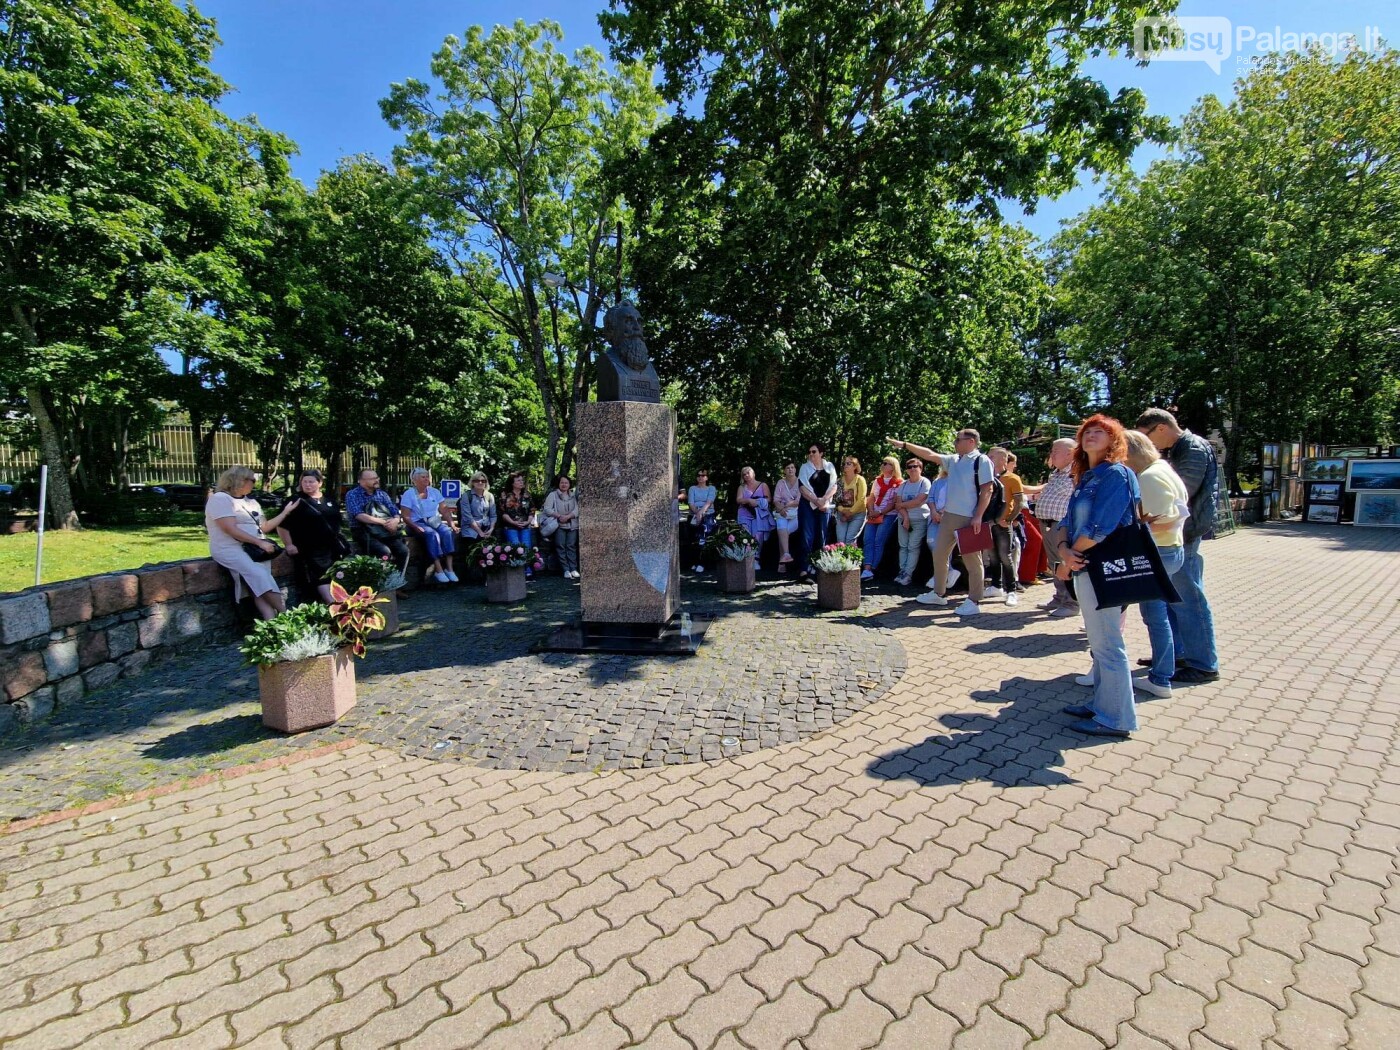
(1251, 278)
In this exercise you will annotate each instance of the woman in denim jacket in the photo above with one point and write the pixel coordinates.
(1105, 498)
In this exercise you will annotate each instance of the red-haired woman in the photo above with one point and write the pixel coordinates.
(1105, 498)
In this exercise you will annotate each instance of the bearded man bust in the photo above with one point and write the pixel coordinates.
(625, 372)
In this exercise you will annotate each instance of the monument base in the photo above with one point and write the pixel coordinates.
(639, 639)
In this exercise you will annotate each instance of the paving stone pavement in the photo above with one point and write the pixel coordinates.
(948, 867)
(459, 683)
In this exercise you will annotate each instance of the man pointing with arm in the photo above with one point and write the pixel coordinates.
(969, 493)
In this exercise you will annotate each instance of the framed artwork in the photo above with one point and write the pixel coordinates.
(1373, 475)
(1324, 469)
(1270, 455)
(1270, 477)
(1350, 451)
(1330, 515)
(1325, 492)
(1378, 509)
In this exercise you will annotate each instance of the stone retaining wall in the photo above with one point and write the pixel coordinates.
(61, 640)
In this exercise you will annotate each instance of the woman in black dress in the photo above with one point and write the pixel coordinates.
(311, 533)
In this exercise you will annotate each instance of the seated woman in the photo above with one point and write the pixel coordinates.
(311, 532)
(850, 502)
(476, 512)
(233, 519)
(787, 494)
(561, 507)
(754, 511)
(518, 514)
(422, 509)
(701, 497)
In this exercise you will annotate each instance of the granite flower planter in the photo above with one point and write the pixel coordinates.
(390, 609)
(506, 584)
(736, 577)
(838, 590)
(298, 695)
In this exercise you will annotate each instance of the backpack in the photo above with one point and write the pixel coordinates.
(996, 506)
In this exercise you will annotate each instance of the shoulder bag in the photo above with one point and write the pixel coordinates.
(1126, 568)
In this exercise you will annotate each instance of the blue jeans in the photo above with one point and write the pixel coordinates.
(849, 531)
(1193, 626)
(439, 540)
(813, 525)
(875, 539)
(1113, 683)
(911, 543)
(1156, 615)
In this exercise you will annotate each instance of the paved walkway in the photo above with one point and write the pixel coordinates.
(946, 867)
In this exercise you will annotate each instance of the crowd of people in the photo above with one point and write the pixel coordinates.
(975, 510)
(312, 526)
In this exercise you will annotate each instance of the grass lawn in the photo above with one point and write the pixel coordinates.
(68, 555)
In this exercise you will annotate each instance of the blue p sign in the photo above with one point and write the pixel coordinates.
(451, 488)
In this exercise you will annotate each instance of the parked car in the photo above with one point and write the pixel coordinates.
(185, 497)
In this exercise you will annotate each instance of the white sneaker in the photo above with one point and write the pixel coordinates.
(441, 577)
(1084, 679)
(1013, 599)
(954, 575)
(1053, 603)
(968, 608)
(452, 577)
(1147, 685)
(867, 575)
(931, 598)
(993, 592)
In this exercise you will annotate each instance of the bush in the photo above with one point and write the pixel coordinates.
(132, 508)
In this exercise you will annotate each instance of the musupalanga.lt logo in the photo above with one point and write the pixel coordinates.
(1212, 39)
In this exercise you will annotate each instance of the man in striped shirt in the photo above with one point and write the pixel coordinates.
(1051, 504)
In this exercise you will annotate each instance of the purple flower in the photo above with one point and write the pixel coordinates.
(731, 537)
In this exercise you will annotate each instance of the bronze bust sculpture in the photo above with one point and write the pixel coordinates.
(625, 372)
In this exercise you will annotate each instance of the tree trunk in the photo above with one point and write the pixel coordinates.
(60, 493)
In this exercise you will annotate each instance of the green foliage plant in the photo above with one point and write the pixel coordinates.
(731, 540)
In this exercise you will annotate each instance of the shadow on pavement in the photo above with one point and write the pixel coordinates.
(210, 738)
(1019, 745)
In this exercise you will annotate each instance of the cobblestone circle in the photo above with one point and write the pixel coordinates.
(458, 683)
(767, 674)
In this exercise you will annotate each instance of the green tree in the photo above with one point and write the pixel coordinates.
(1253, 278)
(832, 176)
(508, 152)
(113, 165)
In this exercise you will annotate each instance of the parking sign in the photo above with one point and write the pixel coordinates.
(451, 488)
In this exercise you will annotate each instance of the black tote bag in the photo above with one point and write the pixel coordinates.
(1126, 568)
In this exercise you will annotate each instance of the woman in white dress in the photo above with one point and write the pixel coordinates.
(234, 519)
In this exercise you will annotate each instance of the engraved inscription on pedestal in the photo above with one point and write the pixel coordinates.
(628, 550)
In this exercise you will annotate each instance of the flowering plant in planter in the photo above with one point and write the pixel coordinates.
(365, 570)
(495, 555)
(838, 557)
(355, 615)
(731, 540)
(314, 629)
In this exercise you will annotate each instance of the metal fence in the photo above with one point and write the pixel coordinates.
(173, 458)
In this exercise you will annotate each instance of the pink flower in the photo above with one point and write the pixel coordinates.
(520, 550)
(731, 537)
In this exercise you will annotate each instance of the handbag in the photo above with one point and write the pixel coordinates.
(1126, 568)
(258, 554)
(550, 527)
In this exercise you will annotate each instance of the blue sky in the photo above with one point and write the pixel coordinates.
(316, 69)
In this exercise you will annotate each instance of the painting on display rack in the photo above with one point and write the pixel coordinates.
(1325, 492)
(1378, 509)
(1324, 469)
(1329, 513)
(1373, 475)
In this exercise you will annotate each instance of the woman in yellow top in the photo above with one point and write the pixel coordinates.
(850, 504)
(1164, 501)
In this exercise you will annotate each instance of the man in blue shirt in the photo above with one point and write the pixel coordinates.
(1193, 626)
(376, 521)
